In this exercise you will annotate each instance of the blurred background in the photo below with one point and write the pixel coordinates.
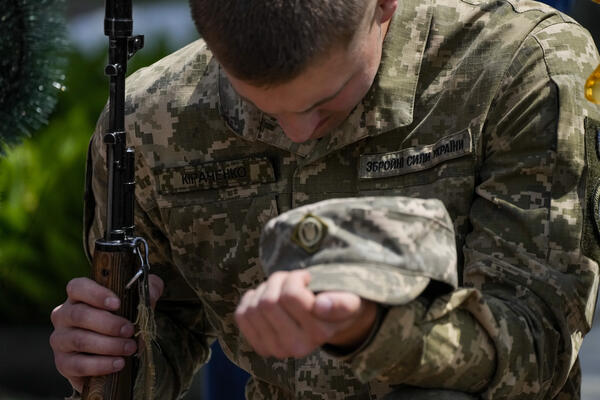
(41, 189)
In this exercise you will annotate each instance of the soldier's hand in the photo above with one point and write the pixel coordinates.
(283, 318)
(88, 339)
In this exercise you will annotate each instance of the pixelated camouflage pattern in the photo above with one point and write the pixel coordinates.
(509, 72)
(384, 249)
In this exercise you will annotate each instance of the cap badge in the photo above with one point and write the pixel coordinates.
(309, 233)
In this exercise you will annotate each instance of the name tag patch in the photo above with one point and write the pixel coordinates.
(216, 175)
(416, 158)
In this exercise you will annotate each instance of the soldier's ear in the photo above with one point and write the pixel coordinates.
(386, 9)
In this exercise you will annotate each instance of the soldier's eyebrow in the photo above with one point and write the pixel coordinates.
(328, 98)
(315, 105)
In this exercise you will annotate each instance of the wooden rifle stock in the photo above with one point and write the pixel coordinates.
(112, 266)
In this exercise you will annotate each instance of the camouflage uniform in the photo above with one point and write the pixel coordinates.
(478, 104)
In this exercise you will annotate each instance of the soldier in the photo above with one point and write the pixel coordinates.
(476, 103)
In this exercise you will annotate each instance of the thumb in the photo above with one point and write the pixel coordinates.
(336, 306)
(156, 286)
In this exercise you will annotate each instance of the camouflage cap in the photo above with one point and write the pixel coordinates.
(383, 249)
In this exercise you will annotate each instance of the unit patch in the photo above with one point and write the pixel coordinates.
(415, 158)
(216, 175)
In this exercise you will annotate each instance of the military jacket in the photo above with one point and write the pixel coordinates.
(476, 103)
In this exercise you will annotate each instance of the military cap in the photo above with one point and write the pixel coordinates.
(386, 249)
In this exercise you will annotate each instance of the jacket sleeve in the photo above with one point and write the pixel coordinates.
(182, 344)
(530, 276)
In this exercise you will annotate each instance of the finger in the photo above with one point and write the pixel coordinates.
(87, 291)
(292, 340)
(81, 315)
(267, 334)
(156, 286)
(77, 383)
(247, 326)
(262, 337)
(298, 301)
(73, 365)
(82, 341)
(337, 306)
(295, 296)
(353, 331)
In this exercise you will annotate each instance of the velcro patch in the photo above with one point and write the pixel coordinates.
(216, 175)
(416, 158)
(596, 208)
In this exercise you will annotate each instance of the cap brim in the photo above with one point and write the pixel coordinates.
(382, 284)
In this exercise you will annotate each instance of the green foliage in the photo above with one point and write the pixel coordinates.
(41, 192)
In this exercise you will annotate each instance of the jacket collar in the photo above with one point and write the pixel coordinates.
(388, 105)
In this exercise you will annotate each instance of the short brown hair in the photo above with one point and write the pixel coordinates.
(268, 42)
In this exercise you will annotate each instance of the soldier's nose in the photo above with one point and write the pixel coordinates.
(299, 128)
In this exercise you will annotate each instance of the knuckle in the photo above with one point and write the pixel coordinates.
(72, 285)
(278, 275)
(251, 311)
(157, 283)
(248, 295)
(76, 314)
(79, 369)
(238, 314)
(77, 383)
(53, 341)
(268, 303)
(79, 343)
(59, 362)
(297, 276)
(295, 273)
(289, 298)
(240, 317)
(69, 287)
(55, 315)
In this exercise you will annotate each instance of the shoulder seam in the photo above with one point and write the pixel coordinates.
(544, 55)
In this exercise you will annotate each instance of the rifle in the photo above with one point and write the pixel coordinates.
(114, 261)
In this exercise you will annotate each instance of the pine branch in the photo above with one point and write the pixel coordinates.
(32, 58)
